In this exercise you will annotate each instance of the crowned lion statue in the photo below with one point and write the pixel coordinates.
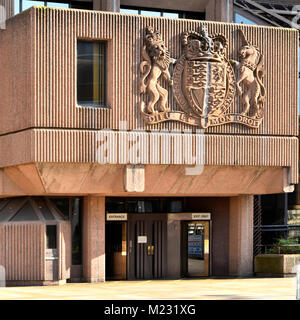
(156, 62)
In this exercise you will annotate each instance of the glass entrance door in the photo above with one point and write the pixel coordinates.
(196, 248)
(115, 250)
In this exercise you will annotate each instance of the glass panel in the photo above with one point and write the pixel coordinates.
(115, 205)
(192, 15)
(26, 213)
(76, 232)
(172, 205)
(62, 204)
(195, 248)
(51, 237)
(170, 15)
(294, 219)
(241, 19)
(91, 73)
(143, 206)
(129, 11)
(27, 4)
(57, 5)
(115, 247)
(16, 6)
(44, 209)
(151, 13)
(81, 5)
(113, 233)
(10, 208)
(3, 202)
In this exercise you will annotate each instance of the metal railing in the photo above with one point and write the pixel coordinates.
(279, 227)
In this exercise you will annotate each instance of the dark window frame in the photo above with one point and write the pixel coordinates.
(48, 239)
(81, 213)
(94, 105)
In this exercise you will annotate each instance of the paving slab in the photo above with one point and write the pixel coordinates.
(197, 289)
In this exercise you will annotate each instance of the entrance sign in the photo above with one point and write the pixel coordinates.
(142, 239)
(201, 216)
(116, 217)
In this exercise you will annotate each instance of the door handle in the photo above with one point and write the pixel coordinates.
(150, 250)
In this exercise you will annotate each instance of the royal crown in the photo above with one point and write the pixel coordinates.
(201, 46)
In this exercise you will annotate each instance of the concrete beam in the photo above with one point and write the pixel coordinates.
(219, 10)
(107, 5)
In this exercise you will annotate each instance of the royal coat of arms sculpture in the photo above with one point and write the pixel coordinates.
(204, 81)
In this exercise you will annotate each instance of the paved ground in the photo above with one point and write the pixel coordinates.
(200, 289)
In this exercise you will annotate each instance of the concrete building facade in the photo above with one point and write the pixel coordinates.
(141, 139)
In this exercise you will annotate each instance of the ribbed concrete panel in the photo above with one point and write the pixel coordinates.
(22, 250)
(16, 65)
(56, 32)
(17, 146)
(165, 148)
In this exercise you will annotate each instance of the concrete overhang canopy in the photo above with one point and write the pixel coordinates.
(33, 209)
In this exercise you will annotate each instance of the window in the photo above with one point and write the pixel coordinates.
(91, 73)
(241, 19)
(71, 208)
(76, 232)
(21, 5)
(163, 13)
(26, 4)
(51, 236)
(146, 12)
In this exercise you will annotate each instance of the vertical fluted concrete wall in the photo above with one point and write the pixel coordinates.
(22, 251)
(16, 76)
(56, 32)
(38, 58)
(41, 46)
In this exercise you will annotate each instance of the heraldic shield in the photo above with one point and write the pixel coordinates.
(204, 82)
(204, 85)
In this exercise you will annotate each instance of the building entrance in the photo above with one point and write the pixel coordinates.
(162, 238)
(195, 248)
(115, 250)
(147, 244)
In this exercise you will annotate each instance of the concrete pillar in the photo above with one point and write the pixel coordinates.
(219, 10)
(94, 239)
(107, 5)
(241, 236)
(174, 248)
